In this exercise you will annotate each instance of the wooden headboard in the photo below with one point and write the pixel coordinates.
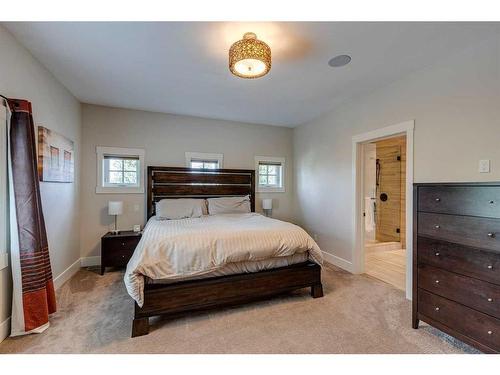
(179, 182)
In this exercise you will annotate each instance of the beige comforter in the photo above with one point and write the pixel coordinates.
(177, 249)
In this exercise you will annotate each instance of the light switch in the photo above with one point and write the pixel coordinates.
(484, 166)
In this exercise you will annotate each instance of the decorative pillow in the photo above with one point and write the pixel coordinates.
(229, 205)
(180, 208)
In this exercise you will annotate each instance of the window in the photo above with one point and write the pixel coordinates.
(270, 173)
(204, 160)
(205, 164)
(120, 170)
(4, 227)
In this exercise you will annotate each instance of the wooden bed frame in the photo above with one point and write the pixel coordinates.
(178, 298)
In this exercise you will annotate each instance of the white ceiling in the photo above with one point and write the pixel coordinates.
(182, 68)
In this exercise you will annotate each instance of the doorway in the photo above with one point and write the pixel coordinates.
(397, 213)
(384, 184)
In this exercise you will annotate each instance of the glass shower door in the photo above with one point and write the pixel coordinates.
(388, 196)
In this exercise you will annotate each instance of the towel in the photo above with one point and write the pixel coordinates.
(369, 214)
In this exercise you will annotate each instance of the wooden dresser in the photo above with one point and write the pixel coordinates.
(456, 261)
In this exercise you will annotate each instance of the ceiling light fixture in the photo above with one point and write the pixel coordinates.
(249, 57)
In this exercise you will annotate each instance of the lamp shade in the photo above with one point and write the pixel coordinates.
(115, 207)
(267, 204)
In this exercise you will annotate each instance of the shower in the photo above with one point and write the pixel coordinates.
(384, 213)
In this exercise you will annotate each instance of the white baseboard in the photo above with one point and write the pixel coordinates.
(5, 329)
(67, 274)
(339, 262)
(90, 261)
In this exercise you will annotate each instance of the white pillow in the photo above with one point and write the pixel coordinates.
(229, 205)
(180, 208)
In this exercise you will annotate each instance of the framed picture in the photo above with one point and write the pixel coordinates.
(56, 156)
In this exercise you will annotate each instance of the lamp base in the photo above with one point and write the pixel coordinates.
(115, 231)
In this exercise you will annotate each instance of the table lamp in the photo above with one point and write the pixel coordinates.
(115, 208)
(267, 206)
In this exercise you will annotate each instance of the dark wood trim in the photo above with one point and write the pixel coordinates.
(180, 182)
(183, 297)
(486, 183)
(225, 178)
(190, 190)
(317, 291)
(414, 320)
(150, 202)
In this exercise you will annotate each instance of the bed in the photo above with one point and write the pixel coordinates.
(197, 264)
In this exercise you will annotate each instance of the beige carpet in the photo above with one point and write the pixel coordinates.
(358, 314)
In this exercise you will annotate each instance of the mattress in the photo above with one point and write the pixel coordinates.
(213, 245)
(240, 267)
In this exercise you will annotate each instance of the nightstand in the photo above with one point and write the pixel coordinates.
(117, 249)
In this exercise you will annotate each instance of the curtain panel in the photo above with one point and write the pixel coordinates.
(33, 298)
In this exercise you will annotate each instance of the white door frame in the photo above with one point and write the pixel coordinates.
(404, 128)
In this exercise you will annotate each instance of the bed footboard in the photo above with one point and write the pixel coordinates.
(176, 299)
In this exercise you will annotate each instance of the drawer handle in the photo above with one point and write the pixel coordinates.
(490, 299)
(438, 199)
(490, 332)
(437, 309)
(491, 235)
(490, 267)
(437, 281)
(437, 254)
(123, 256)
(123, 243)
(437, 226)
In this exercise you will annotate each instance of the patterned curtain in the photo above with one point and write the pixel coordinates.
(33, 296)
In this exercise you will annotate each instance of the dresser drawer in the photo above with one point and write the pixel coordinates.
(471, 292)
(460, 200)
(117, 258)
(467, 230)
(481, 264)
(118, 244)
(469, 322)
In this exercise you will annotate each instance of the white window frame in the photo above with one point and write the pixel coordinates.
(103, 151)
(4, 230)
(268, 189)
(203, 156)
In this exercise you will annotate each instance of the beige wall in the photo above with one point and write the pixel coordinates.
(456, 107)
(166, 138)
(21, 76)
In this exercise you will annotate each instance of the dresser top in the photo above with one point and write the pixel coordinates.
(485, 183)
(122, 233)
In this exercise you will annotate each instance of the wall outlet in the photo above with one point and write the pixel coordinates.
(484, 166)
(137, 228)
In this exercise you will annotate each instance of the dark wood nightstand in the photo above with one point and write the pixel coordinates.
(116, 249)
